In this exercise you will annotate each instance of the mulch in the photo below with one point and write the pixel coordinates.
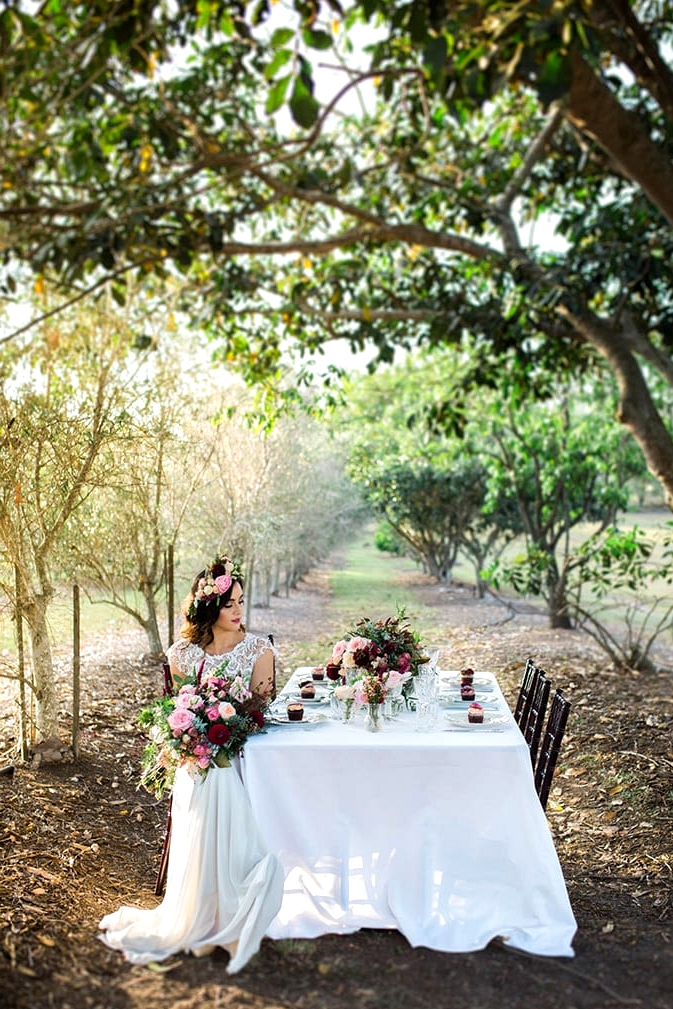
(79, 839)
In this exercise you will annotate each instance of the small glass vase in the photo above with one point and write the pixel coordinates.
(373, 718)
(393, 706)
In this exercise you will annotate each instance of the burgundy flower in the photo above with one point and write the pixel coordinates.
(258, 718)
(218, 734)
(403, 662)
(332, 672)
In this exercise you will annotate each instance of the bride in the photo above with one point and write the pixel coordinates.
(223, 888)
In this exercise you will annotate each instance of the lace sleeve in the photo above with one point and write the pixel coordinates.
(184, 656)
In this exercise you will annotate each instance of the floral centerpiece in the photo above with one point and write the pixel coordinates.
(378, 647)
(203, 725)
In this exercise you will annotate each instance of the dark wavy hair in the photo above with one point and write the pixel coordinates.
(199, 620)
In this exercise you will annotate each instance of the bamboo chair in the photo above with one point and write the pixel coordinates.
(551, 744)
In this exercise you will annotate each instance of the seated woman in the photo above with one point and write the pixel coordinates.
(214, 631)
(223, 887)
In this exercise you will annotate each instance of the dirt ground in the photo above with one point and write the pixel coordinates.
(79, 839)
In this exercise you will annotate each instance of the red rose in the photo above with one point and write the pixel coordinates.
(218, 734)
(258, 718)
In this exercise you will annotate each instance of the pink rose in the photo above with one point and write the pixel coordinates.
(223, 583)
(203, 761)
(213, 713)
(337, 652)
(180, 720)
(394, 678)
(185, 695)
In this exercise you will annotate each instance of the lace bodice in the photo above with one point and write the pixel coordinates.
(242, 658)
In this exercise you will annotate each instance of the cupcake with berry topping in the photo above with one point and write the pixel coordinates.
(475, 713)
(467, 692)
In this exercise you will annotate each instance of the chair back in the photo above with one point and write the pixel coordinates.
(551, 744)
(274, 690)
(526, 688)
(168, 679)
(532, 730)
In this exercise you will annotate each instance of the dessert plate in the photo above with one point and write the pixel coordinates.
(312, 701)
(479, 682)
(492, 722)
(455, 698)
(310, 719)
(488, 703)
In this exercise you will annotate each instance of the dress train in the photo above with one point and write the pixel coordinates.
(223, 888)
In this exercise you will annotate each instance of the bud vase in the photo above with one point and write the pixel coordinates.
(373, 718)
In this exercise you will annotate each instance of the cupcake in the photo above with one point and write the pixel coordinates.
(475, 712)
(295, 711)
(307, 691)
(466, 675)
(467, 692)
(318, 673)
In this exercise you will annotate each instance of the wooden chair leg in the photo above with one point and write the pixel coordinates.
(163, 863)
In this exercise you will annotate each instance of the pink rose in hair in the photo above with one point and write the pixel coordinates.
(223, 584)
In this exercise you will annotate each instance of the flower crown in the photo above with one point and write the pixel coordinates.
(218, 578)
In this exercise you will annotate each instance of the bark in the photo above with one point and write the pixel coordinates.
(46, 700)
(594, 110)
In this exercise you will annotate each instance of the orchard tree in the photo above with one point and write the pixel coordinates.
(565, 465)
(427, 483)
(144, 140)
(64, 404)
(118, 549)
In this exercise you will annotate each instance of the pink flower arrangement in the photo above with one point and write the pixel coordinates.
(204, 725)
(387, 652)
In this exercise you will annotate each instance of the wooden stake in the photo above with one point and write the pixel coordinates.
(23, 742)
(76, 665)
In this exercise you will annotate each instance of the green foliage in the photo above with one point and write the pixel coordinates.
(386, 540)
(166, 154)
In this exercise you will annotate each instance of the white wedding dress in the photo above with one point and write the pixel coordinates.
(223, 888)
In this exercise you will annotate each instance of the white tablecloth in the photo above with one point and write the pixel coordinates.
(439, 835)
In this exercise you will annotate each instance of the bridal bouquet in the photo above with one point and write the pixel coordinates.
(203, 725)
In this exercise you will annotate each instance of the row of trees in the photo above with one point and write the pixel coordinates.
(114, 448)
(555, 476)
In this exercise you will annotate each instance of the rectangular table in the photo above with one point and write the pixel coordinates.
(437, 834)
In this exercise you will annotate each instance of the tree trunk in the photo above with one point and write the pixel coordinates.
(46, 699)
(594, 110)
(557, 602)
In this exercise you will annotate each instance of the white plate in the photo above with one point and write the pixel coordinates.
(455, 698)
(298, 699)
(488, 703)
(497, 723)
(310, 718)
(479, 682)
